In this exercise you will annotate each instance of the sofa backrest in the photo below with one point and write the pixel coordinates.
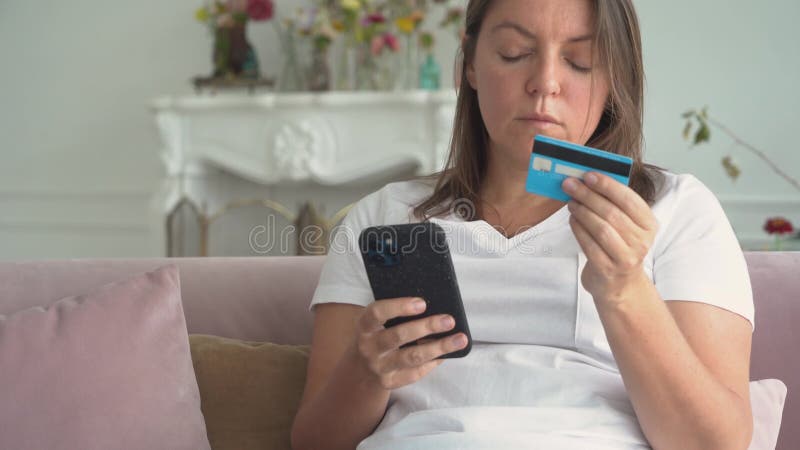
(256, 299)
(267, 299)
(776, 340)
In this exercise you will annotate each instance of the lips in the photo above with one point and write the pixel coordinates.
(541, 118)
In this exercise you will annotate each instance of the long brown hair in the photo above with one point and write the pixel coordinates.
(618, 44)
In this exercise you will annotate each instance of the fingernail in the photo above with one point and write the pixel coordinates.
(447, 322)
(419, 305)
(591, 178)
(569, 185)
(460, 340)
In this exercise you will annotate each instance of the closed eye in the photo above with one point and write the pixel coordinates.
(516, 58)
(579, 68)
(513, 58)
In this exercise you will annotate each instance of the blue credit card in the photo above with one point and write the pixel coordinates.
(552, 161)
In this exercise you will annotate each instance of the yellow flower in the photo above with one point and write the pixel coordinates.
(338, 25)
(410, 22)
(352, 5)
(201, 14)
(405, 24)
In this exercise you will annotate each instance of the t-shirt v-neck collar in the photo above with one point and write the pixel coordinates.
(553, 221)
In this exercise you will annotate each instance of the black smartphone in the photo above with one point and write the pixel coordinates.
(413, 260)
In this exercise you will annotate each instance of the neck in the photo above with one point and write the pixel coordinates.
(504, 186)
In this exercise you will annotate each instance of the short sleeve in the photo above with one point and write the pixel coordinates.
(343, 278)
(697, 257)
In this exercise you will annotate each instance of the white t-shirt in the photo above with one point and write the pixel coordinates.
(540, 373)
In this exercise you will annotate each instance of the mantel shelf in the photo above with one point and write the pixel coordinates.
(218, 102)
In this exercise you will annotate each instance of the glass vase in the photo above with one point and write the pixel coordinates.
(319, 71)
(407, 68)
(374, 72)
(778, 242)
(292, 77)
(346, 78)
(233, 55)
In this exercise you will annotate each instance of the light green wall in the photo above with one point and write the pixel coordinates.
(79, 149)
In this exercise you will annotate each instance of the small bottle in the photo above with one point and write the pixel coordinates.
(429, 74)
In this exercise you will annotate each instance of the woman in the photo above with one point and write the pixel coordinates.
(622, 319)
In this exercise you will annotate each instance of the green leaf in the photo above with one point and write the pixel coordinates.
(240, 17)
(731, 168)
(703, 134)
(687, 130)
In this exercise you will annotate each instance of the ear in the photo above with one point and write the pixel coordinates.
(470, 67)
(471, 76)
(469, 71)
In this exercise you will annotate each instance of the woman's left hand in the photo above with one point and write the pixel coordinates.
(615, 228)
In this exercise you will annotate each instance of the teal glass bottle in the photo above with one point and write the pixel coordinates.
(429, 74)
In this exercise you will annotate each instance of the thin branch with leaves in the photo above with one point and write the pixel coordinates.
(697, 130)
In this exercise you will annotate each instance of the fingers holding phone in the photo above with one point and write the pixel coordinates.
(413, 261)
(381, 350)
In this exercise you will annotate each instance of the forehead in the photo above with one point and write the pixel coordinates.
(546, 19)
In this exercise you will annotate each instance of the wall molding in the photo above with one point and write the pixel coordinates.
(758, 200)
(28, 213)
(85, 228)
(36, 210)
(49, 194)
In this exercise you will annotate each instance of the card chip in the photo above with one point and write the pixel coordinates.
(543, 164)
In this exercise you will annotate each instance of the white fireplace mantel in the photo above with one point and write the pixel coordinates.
(331, 138)
(326, 147)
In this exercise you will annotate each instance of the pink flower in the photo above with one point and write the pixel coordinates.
(376, 46)
(383, 41)
(260, 9)
(373, 18)
(391, 41)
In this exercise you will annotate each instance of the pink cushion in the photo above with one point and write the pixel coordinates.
(766, 399)
(109, 369)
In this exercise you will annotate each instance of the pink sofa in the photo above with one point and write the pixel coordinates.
(266, 299)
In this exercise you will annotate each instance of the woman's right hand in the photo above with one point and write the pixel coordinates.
(378, 349)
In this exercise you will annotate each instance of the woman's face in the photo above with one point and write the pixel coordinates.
(535, 73)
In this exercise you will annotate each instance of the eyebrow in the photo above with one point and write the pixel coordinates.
(525, 32)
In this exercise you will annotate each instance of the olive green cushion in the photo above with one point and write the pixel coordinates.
(249, 391)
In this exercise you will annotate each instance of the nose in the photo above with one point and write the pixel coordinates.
(544, 76)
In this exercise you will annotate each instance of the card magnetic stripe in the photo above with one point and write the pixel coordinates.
(580, 158)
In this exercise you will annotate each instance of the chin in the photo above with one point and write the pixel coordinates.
(555, 132)
(551, 134)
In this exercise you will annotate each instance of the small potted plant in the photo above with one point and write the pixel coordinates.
(780, 227)
(233, 56)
